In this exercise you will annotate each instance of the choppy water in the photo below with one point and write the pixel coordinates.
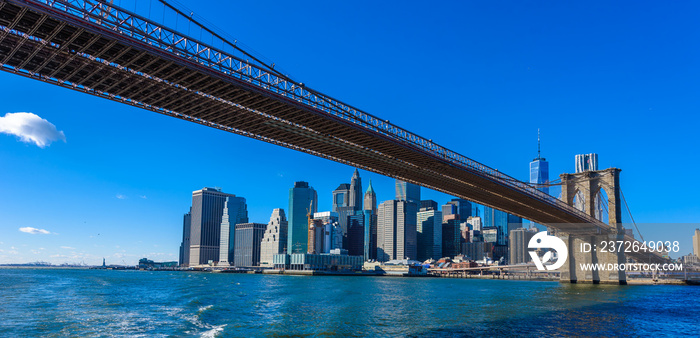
(86, 303)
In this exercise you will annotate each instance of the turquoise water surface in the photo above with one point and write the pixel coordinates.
(87, 303)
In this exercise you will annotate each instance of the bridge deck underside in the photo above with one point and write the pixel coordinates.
(104, 63)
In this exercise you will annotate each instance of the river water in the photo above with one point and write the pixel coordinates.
(88, 303)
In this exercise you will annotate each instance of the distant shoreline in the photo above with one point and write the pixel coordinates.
(43, 267)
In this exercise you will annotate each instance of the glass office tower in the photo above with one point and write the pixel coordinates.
(185, 245)
(301, 197)
(539, 170)
(539, 176)
(429, 234)
(586, 162)
(407, 192)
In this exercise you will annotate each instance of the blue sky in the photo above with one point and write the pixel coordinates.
(477, 77)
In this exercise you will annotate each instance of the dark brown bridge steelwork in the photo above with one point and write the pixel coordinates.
(107, 51)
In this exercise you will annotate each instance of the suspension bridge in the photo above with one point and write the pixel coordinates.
(99, 48)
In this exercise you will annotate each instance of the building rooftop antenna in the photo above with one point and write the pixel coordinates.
(538, 143)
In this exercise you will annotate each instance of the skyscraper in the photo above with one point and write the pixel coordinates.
(451, 237)
(396, 230)
(344, 214)
(247, 246)
(514, 222)
(449, 211)
(370, 213)
(494, 218)
(315, 237)
(539, 170)
(462, 207)
(428, 205)
(407, 218)
(355, 198)
(370, 202)
(586, 162)
(350, 206)
(407, 192)
(504, 222)
(274, 239)
(539, 176)
(235, 212)
(205, 230)
(341, 196)
(429, 234)
(491, 235)
(356, 234)
(301, 198)
(185, 245)
(475, 223)
(519, 240)
(696, 243)
(331, 235)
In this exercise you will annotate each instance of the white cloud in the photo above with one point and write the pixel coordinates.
(34, 231)
(144, 197)
(31, 128)
(68, 248)
(121, 197)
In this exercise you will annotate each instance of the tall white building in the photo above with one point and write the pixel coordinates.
(475, 222)
(396, 230)
(696, 243)
(275, 238)
(235, 212)
(586, 162)
(332, 231)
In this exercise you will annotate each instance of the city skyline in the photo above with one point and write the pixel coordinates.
(103, 186)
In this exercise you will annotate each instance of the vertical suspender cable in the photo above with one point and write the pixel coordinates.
(630, 213)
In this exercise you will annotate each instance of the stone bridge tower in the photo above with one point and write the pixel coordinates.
(583, 190)
(588, 185)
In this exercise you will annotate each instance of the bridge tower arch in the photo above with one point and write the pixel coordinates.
(590, 184)
(585, 187)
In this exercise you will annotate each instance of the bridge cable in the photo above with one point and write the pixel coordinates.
(630, 213)
(192, 19)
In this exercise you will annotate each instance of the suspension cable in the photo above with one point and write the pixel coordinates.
(630, 213)
(226, 41)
